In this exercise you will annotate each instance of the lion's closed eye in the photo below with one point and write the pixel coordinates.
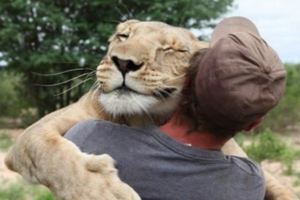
(168, 49)
(182, 50)
(122, 36)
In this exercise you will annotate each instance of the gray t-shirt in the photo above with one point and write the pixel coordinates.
(160, 168)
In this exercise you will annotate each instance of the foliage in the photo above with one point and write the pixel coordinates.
(11, 99)
(287, 114)
(5, 141)
(23, 191)
(27, 117)
(268, 145)
(52, 36)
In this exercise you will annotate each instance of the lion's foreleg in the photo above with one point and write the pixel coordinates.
(276, 191)
(67, 172)
(41, 151)
(34, 144)
(39, 154)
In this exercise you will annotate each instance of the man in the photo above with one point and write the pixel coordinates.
(231, 87)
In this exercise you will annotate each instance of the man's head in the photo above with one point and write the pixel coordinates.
(239, 79)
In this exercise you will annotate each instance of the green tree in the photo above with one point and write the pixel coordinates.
(11, 102)
(286, 114)
(51, 36)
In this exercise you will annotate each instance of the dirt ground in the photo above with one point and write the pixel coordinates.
(276, 168)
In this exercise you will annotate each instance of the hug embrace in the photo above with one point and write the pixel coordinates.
(162, 128)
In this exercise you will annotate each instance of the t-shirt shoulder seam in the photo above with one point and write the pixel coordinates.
(252, 173)
(95, 122)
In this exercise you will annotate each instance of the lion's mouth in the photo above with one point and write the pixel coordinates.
(126, 90)
(159, 93)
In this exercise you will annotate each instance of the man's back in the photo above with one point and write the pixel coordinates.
(160, 168)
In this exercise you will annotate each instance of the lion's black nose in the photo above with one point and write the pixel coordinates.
(126, 65)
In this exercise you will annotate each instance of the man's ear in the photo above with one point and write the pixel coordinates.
(253, 125)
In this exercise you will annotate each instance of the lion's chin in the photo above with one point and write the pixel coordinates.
(119, 103)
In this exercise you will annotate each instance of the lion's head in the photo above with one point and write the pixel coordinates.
(144, 69)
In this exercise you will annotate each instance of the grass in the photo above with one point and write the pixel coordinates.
(5, 141)
(268, 145)
(297, 182)
(24, 191)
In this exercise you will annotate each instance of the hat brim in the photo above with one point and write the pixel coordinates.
(233, 25)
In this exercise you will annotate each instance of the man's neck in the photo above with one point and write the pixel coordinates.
(180, 132)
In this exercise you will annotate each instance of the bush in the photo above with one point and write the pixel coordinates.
(11, 100)
(268, 145)
(11, 193)
(287, 114)
(5, 141)
(28, 117)
(24, 191)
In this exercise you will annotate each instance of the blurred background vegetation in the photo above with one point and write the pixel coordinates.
(53, 36)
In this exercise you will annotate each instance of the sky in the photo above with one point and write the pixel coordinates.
(278, 22)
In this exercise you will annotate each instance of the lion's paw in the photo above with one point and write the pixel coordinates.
(103, 163)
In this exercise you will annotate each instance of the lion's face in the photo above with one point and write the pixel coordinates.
(144, 69)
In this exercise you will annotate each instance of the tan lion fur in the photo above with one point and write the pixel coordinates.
(42, 155)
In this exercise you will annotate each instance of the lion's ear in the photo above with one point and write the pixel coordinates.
(130, 21)
(123, 27)
(127, 23)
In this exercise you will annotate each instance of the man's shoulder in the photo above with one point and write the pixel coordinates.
(93, 123)
(246, 165)
(88, 126)
(82, 130)
(247, 176)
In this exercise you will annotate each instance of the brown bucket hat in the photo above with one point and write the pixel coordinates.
(240, 78)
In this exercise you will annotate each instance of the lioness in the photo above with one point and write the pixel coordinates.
(140, 81)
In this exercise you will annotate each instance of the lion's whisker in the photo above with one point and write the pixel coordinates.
(95, 88)
(89, 75)
(159, 96)
(63, 72)
(64, 82)
(74, 64)
(74, 86)
(164, 93)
